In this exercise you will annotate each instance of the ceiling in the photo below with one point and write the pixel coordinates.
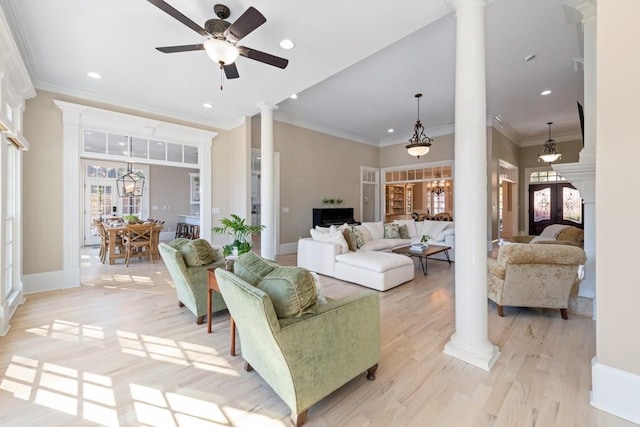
(355, 67)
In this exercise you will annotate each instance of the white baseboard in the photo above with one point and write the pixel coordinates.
(41, 282)
(615, 391)
(288, 248)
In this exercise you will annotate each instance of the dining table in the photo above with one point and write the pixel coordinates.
(115, 229)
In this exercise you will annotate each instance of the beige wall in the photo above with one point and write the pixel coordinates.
(618, 151)
(43, 176)
(396, 155)
(314, 166)
(169, 189)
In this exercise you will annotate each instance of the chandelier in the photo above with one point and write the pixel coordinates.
(419, 144)
(438, 187)
(549, 154)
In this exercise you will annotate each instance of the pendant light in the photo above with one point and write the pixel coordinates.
(549, 153)
(419, 144)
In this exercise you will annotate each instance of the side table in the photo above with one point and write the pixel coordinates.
(213, 286)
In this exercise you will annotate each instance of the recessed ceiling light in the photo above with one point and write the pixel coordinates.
(88, 132)
(287, 44)
(94, 75)
(545, 92)
(207, 105)
(159, 143)
(294, 96)
(122, 143)
(390, 130)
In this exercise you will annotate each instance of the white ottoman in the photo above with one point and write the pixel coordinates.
(376, 270)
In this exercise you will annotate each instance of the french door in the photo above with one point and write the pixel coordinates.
(554, 203)
(100, 197)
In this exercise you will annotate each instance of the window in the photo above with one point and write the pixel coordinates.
(546, 176)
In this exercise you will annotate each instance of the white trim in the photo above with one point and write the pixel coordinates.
(48, 281)
(615, 391)
(499, 124)
(77, 116)
(319, 127)
(376, 191)
(561, 137)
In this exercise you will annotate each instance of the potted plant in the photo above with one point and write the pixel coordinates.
(131, 219)
(241, 232)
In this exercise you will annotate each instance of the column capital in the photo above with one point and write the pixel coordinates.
(458, 4)
(586, 8)
(264, 107)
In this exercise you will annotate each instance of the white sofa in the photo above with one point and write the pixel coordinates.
(372, 264)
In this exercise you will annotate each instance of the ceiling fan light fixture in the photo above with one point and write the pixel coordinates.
(221, 51)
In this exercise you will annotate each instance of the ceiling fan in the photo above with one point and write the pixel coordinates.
(222, 37)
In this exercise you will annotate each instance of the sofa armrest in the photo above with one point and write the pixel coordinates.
(520, 239)
(495, 268)
(318, 256)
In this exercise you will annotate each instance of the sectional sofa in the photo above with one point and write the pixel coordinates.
(362, 254)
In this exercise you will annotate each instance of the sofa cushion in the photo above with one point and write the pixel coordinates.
(410, 226)
(375, 228)
(252, 268)
(374, 261)
(376, 245)
(366, 234)
(333, 237)
(391, 231)
(448, 231)
(197, 252)
(292, 291)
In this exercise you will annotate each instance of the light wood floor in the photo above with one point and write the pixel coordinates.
(118, 351)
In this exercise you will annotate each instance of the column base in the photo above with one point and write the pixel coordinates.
(483, 357)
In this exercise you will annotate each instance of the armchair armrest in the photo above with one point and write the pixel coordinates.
(495, 268)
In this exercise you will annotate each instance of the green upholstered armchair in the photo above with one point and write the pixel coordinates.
(527, 275)
(304, 358)
(188, 270)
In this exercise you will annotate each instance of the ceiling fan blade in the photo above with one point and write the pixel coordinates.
(184, 48)
(248, 21)
(167, 8)
(231, 71)
(267, 58)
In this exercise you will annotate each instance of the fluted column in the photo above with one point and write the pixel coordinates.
(470, 341)
(267, 202)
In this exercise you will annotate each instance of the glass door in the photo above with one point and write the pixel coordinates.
(554, 203)
(100, 199)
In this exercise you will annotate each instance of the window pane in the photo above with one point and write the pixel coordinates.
(139, 148)
(157, 150)
(571, 205)
(541, 205)
(118, 145)
(174, 152)
(190, 154)
(95, 142)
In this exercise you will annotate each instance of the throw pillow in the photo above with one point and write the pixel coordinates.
(319, 288)
(292, 291)
(252, 268)
(333, 237)
(359, 238)
(178, 243)
(391, 231)
(351, 239)
(404, 233)
(197, 252)
(410, 224)
(366, 234)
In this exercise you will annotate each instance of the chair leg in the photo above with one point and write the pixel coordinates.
(563, 313)
(371, 372)
(500, 311)
(247, 366)
(200, 320)
(299, 419)
(180, 304)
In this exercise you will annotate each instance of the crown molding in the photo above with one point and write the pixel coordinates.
(561, 137)
(322, 128)
(499, 123)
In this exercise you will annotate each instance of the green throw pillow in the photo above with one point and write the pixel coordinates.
(404, 232)
(358, 237)
(178, 243)
(391, 231)
(292, 291)
(251, 267)
(351, 239)
(197, 252)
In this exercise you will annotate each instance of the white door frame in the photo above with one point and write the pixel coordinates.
(75, 118)
(367, 171)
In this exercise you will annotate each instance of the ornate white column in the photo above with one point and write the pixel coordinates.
(583, 174)
(470, 341)
(267, 202)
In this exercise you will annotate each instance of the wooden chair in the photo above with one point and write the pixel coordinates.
(105, 244)
(139, 239)
(443, 216)
(181, 230)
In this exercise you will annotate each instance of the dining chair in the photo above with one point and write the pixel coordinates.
(105, 244)
(139, 238)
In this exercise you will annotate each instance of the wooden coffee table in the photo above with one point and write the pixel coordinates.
(422, 255)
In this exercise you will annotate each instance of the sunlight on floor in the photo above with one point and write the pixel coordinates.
(71, 331)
